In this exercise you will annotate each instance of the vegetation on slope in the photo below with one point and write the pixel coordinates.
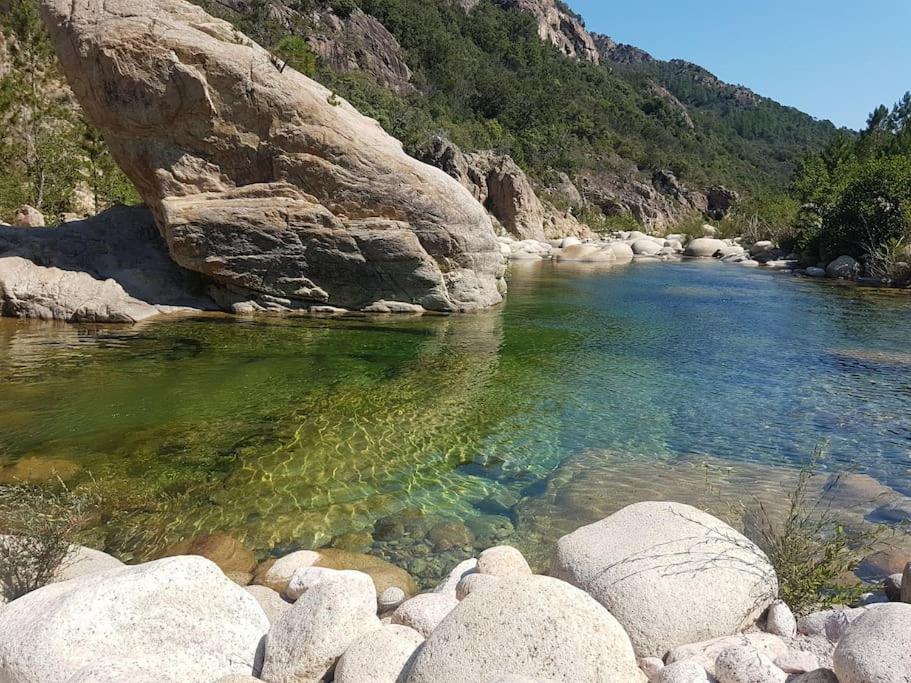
(48, 154)
(856, 193)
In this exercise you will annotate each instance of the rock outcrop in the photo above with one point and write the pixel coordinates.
(620, 53)
(112, 268)
(565, 30)
(504, 189)
(657, 203)
(358, 42)
(261, 179)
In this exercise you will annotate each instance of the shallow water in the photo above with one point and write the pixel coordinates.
(591, 388)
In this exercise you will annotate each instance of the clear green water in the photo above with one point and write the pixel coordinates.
(589, 389)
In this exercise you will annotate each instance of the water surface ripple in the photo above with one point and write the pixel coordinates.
(590, 387)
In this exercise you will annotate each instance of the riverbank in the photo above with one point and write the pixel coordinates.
(657, 592)
(625, 247)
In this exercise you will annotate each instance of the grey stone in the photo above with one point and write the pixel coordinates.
(797, 662)
(744, 664)
(844, 267)
(424, 612)
(390, 599)
(270, 601)
(687, 671)
(28, 217)
(704, 247)
(449, 585)
(818, 676)
(651, 667)
(780, 620)
(503, 560)
(892, 585)
(906, 584)
(706, 652)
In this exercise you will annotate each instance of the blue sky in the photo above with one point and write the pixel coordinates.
(834, 59)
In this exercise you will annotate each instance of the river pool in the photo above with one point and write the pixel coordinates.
(424, 438)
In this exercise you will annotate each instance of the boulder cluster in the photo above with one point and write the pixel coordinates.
(658, 592)
(623, 247)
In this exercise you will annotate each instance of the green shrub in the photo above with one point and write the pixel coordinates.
(810, 549)
(764, 216)
(294, 51)
(873, 208)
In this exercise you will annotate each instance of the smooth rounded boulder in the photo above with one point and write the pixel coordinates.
(379, 656)
(533, 626)
(844, 267)
(586, 253)
(424, 612)
(704, 247)
(622, 251)
(646, 247)
(669, 573)
(179, 618)
(307, 641)
(876, 647)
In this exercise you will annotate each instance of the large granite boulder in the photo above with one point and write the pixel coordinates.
(178, 619)
(669, 573)
(263, 180)
(532, 626)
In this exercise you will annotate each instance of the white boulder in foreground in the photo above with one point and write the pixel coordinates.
(532, 626)
(179, 619)
(309, 638)
(876, 648)
(379, 656)
(669, 573)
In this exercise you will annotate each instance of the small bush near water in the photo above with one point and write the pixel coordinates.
(39, 526)
(810, 549)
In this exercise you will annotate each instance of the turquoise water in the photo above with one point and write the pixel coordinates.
(422, 439)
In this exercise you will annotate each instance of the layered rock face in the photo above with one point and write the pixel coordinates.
(260, 178)
(359, 42)
(504, 189)
(564, 30)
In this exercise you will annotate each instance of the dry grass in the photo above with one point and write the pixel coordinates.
(39, 526)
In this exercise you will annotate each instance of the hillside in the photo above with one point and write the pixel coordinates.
(643, 141)
(525, 78)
